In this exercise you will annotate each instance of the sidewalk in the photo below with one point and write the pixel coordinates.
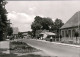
(4, 44)
(4, 47)
(72, 45)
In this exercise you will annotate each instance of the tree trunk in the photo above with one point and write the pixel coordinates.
(1, 36)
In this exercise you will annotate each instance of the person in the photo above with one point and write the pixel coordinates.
(38, 37)
(41, 38)
(51, 39)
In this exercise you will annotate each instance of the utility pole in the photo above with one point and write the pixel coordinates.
(78, 26)
(78, 20)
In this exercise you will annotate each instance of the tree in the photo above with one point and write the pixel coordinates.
(57, 25)
(47, 23)
(76, 35)
(3, 18)
(20, 34)
(10, 31)
(35, 26)
(30, 33)
(41, 23)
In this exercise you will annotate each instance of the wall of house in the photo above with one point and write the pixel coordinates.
(68, 34)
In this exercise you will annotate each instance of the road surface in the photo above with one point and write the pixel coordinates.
(53, 49)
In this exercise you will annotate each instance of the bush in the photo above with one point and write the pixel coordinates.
(76, 34)
(21, 47)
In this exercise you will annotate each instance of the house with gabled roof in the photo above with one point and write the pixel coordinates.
(71, 26)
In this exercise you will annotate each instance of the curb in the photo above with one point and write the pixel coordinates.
(72, 45)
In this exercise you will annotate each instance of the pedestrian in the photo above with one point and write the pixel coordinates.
(60, 37)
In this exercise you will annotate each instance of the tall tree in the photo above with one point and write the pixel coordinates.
(47, 23)
(36, 25)
(3, 18)
(41, 23)
(10, 31)
(57, 25)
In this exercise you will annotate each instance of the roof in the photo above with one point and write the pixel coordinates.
(25, 34)
(48, 33)
(73, 21)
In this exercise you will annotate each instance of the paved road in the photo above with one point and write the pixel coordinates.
(53, 49)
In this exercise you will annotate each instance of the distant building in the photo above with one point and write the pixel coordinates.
(45, 34)
(71, 26)
(25, 34)
(15, 32)
(40, 31)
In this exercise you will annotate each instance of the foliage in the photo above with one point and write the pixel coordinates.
(21, 47)
(47, 23)
(76, 34)
(20, 35)
(3, 18)
(57, 25)
(41, 23)
(30, 33)
(10, 31)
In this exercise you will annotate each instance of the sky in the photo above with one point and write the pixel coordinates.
(22, 13)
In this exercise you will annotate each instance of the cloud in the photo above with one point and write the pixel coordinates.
(21, 20)
(22, 12)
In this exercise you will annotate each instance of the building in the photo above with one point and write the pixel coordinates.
(15, 32)
(40, 31)
(71, 26)
(45, 34)
(25, 34)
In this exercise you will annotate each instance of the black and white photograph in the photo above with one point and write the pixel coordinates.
(39, 28)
